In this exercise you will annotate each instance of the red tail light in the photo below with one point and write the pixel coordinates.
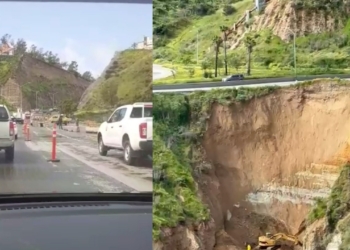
(143, 130)
(12, 128)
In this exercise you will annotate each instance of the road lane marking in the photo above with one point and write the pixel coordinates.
(66, 136)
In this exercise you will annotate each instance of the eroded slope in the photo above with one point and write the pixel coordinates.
(34, 77)
(257, 153)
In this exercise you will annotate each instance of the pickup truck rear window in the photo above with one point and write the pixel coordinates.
(4, 116)
(137, 112)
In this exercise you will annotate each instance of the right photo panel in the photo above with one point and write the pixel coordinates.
(251, 141)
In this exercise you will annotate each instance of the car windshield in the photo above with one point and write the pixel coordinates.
(65, 67)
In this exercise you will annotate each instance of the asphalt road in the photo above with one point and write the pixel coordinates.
(81, 168)
(190, 87)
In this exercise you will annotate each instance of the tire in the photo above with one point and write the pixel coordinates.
(101, 147)
(10, 154)
(16, 137)
(128, 153)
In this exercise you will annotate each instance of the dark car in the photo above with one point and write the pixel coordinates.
(233, 78)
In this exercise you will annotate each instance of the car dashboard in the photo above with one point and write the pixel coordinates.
(88, 225)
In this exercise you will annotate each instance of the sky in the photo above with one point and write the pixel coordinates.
(88, 33)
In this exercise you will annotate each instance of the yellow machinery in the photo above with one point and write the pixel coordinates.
(54, 119)
(273, 242)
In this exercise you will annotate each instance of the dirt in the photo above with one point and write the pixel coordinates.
(281, 17)
(267, 159)
(34, 72)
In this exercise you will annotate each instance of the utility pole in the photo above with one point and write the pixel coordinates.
(197, 46)
(36, 100)
(294, 54)
(225, 52)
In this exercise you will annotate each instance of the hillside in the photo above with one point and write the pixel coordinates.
(39, 82)
(322, 39)
(127, 79)
(230, 165)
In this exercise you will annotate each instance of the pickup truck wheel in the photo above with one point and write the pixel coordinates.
(128, 153)
(10, 154)
(101, 147)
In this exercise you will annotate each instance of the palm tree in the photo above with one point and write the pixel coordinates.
(225, 31)
(217, 42)
(249, 42)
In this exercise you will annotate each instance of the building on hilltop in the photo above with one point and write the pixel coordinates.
(6, 50)
(147, 43)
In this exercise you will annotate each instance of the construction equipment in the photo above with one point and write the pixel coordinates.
(273, 242)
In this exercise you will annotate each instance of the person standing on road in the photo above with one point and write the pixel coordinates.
(60, 121)
(248, 246)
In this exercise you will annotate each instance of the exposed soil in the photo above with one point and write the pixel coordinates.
(33, 72)
(272, 156)
(281, 17)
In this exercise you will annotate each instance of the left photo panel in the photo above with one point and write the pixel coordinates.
(76, 125)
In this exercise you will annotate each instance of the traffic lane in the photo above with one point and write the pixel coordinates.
(243, 82)
(91, 140)
(31, 173)
(85, 154)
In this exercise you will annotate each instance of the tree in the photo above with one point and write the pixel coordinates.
(68, 106)
(249, 42)
(73, 66)
(20, 47)
(235, 62)
(225, 31)
(88, 76)
(5, 39)
(217, 42)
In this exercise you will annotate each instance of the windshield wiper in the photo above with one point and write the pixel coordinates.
(76, 197)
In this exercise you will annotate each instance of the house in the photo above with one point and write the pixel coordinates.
(147, 43)
(6, 50)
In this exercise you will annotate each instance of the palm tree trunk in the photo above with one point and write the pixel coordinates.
(216, 60)
(225, 54)
(249, 61)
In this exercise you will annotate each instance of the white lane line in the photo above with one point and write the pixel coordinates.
(66, 136)
(31, 145)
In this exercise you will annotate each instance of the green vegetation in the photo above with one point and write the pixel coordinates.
(324, 53)
(175, 195)
(128, 80)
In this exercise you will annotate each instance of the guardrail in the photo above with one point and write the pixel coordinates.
(242, 82)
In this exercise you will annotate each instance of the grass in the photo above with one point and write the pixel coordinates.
(7, 64)
(207, 27)
(129, 80)
(324, 53)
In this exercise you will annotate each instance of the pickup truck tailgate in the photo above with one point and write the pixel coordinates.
(4, 128)
(149, 129)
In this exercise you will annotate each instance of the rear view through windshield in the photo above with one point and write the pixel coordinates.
(137, 112)
(4, 116)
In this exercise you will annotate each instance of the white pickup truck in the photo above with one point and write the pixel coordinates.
(7, 133)
(129, 128)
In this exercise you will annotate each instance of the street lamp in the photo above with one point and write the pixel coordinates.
(294, 53)
(197, 44)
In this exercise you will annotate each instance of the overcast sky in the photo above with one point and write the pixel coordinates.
(88, 33)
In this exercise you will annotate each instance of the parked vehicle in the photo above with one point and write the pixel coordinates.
(130, 129)
(7, 133)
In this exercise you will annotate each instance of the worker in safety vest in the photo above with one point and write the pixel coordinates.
(248, 246)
